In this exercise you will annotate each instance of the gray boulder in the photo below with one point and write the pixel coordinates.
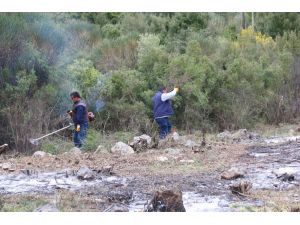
(232, 174)
(84, 173)
(75, 150)
(122, 148)
(40, 154)
(141, 143)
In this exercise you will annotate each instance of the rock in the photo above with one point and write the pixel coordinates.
(122, 148)
(107, 170)
(84, 173)
(232, 174)
(143, 137)
(111, 179)
(237, 136)
(186, 161)
(47, 208)
(117, 208)
(75, 150)
(190, 144)
(6, 166)
(223, 136)
(162, 158)
(172, 151)
(166, 201)
(286, 177)
(40, 154)
(242, 187)
(141, 143)
(175, 136)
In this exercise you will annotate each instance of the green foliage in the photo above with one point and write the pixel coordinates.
(84, 75)
(228, 77)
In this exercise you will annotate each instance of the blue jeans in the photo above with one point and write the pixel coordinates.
(80, 136)
(164, 126)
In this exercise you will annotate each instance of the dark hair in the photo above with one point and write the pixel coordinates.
(161, 89)
(75, 94)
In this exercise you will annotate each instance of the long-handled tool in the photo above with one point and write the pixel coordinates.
(35, 141)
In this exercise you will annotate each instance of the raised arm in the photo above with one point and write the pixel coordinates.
(167, 96)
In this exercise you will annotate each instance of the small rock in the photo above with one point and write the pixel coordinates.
(47, 208)
(40, 154)
(111, 179)
(122, 148)
(286, 177)
(186, 161)
(175, 136)
(84, 173)
(6, 166)
(172, 151)
(232, 174)
(75, 150)
(162, 158)
(190, 144)
(224, 135)
(108, 170)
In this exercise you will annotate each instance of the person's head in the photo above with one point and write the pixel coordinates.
(163, 89)
(75, 96)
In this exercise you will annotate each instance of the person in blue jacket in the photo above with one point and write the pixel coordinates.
(80, 118)
(162, 110)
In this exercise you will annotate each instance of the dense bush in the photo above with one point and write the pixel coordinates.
(229, 77)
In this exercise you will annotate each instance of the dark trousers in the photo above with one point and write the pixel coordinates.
(164, 126)
(79, 137)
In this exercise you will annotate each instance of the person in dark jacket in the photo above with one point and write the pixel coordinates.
(79, 115)
(162, 110)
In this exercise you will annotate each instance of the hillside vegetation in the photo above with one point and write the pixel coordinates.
(231, 73)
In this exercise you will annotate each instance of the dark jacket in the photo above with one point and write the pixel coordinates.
(80, 113)
(161, 108)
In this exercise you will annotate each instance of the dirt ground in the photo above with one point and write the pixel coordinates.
(158, 169)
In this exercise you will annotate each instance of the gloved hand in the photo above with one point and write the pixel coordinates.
(176, 89)
(77, 128)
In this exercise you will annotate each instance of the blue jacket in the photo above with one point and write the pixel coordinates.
(161, 108)
(80, 115)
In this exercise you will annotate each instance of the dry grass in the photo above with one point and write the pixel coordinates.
(281, 130)
(22, 203)
(278, 201)
(68, 201)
